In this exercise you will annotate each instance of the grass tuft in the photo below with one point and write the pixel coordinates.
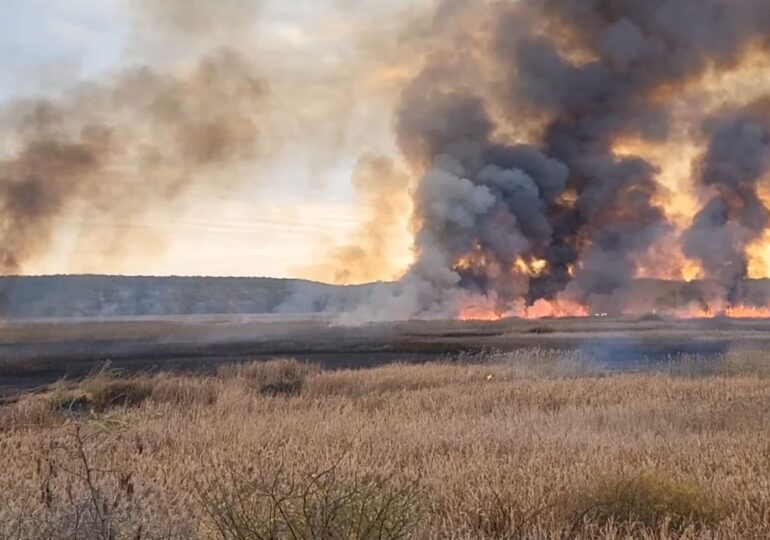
(105, 391)
(273, 378)
(651, 502)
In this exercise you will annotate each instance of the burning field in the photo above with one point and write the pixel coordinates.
(571, 149)
(554, 157)
(550, 317)
(546, 159)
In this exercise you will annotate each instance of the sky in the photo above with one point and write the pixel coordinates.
(296, 209)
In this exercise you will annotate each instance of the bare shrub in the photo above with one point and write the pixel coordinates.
(77, 498)
(324, 504)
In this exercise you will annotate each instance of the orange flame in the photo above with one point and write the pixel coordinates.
(555, 309)
(483, 309)
(479, 313)
(732, 312)
(530, 267)
(747, 312)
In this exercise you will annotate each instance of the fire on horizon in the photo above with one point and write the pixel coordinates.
(550, 154)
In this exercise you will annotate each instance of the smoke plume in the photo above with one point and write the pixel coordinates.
(524, 195)
(521, 131)
(736, 161)
(372, 253)
(140, 138)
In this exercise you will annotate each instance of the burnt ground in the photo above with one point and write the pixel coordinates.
(36, 353)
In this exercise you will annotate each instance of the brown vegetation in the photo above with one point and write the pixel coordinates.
(522, 445)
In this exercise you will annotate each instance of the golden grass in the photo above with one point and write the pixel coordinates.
(526, 445)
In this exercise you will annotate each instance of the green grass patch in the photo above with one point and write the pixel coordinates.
(652, 502)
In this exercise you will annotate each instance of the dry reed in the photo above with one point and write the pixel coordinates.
(526, 445)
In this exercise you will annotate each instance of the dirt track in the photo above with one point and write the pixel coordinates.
(39, 352)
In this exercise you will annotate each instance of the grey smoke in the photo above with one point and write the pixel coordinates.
(580, 75)
(141, 137)
(737, 159)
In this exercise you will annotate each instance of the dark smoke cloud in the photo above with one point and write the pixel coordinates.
(30, 201)
(736, 160)
(137, 139)
(582, 75)
(511, 124)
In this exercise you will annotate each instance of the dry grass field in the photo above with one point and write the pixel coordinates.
(530, 444)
